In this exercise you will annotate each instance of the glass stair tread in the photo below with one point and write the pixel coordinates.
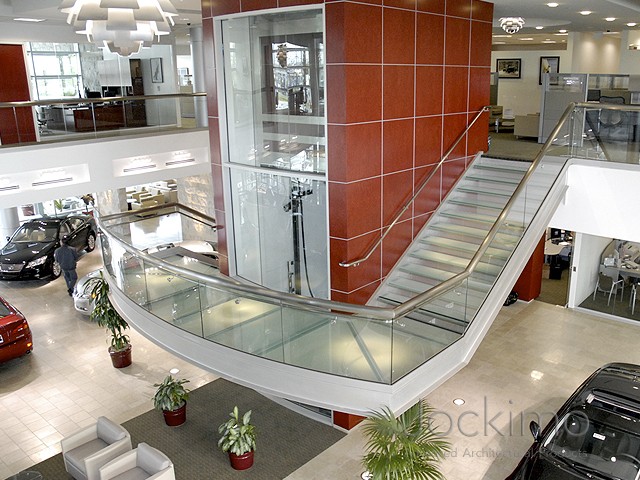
(434, 277)
(476, 217)
(507, 181)
(476, 232)
(485, 191)
(458, 262)
(495, 164)
(466, 247)
(472, 202)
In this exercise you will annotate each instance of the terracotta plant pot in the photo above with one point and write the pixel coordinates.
(241, 462)
(176, 417)
(121, 358)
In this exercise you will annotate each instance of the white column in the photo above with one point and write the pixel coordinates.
(9, 221)
(197, 57)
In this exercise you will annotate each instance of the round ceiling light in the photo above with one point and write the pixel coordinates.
(511, 25)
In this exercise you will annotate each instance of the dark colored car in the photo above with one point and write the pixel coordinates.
(15, 335)
(595, 435)
(29, 253)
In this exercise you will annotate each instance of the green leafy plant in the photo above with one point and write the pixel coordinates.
(403, 447)
(171, 394)
(105, 315)
(238, 434)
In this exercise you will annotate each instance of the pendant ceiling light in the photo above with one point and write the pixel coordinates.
(123, 26)
(511, 24)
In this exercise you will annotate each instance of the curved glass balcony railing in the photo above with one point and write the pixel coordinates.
(78, 118)
(375, 344)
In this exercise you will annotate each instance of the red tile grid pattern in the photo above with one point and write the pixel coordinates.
(404, 77)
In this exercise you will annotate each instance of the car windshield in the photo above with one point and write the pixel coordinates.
(600, 437)
(35, 232)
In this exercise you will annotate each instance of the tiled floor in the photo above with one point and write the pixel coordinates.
(534, 356)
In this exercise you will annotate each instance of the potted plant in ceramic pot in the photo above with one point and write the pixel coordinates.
(403, 447)
(238, 439)
(171, 397)
(105, 315)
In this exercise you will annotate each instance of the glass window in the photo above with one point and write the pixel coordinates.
(55, 70)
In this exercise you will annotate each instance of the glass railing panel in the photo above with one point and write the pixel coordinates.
(76, 118)
(134, 279)
(338, 344)
(175, 299)
(608, 134)
(243, 322)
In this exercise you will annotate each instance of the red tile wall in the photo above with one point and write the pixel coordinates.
(404, 78)
(14, 87)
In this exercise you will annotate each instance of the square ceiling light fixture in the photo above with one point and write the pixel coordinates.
(123, 26)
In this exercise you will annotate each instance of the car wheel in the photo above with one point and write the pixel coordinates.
(55, 270)
(91, 243)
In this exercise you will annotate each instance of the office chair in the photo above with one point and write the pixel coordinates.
(607, 284)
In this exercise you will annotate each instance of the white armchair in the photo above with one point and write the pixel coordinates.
(142, 463)
(84, 452)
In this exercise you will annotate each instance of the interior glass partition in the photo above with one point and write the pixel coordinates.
(274, 79)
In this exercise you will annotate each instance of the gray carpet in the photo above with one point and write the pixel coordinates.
(285, 440)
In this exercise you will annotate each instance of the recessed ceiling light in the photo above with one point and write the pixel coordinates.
(458, 401)
(174, 371)
(35, 20)
(526, 39)
(585, 12)
(562, 31)
(499, 43)
(631, 24)
(548, 41)
(539, 27)
(552, 5)
(610, 19)
(501, 36)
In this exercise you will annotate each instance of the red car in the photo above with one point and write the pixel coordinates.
(15, 335)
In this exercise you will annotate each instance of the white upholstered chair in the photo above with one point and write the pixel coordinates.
(85, 451)
(142, 463)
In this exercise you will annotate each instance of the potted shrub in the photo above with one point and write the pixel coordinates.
(404, 447)
(171, 397)
(105, 315)
(238, 439)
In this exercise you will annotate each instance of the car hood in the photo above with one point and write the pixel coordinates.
(21, 252)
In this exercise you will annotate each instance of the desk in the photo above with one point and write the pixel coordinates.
(555, 254)
(629, 272)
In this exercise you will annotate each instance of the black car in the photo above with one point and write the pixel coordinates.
(29, 253)
(595, 435)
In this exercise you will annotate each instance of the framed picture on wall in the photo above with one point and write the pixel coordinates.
(548, 65)
(508, 67)
(156, 70)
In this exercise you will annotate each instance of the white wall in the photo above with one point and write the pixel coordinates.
(522, 95)
(586, 261)
(630, 59)
(595, 52)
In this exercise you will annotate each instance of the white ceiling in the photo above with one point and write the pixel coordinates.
(535, 13)
(565, 16)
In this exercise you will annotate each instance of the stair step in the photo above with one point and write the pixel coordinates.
(434, 277)
(459, 262)
(488, 163)
(475, 217)
(480, 233)
(468, 248)
(506, 181)
(484, 191)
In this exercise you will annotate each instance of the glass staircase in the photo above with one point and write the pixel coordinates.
(451, 238)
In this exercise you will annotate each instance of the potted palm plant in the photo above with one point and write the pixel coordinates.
(171, 397)
(404, 447)
(238, 439)
(105, 315)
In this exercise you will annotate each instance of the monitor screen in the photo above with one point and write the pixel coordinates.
(94, 95)
(593, 95)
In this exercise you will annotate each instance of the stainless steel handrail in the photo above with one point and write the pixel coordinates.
(77, 101)
(423, 184)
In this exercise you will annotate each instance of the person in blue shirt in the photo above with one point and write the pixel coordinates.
(67, 257)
